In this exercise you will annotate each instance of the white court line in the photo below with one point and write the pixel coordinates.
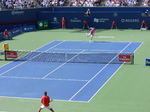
(25, 98)
(43, 79)
(27, 61)
(97, 74)
(87, 50)
(62, 64)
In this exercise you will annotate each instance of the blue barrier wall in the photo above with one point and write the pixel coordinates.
(100, 20)
(131, 16)
(18, 18)
(15, 15)
(17, 31)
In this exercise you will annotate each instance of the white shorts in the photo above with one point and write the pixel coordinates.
(48, 107)
(143, 28)
(90, 35)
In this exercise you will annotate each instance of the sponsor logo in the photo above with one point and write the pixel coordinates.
(96, 20)
(12, 55)
(75, 20)
(41, 24)
(115, 14)
(55, 20)
(130, 20)
(100, 20)
(125, 58)
(17, 12)
(29, 28)
(16, 31)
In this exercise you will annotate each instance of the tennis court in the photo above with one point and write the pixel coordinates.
(126, 91)
(65, 80)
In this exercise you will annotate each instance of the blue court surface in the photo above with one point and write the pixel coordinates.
(63, 81)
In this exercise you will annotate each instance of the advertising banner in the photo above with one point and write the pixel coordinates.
(99, 20)
(18, 15)
(11, 54)
(14, 32)
(28, 28)
(19, 30)
(43, 24)
(147, 62)
(1, 36)
(125, 58)
(73, 19)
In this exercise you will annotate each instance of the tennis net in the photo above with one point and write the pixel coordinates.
(81, 57)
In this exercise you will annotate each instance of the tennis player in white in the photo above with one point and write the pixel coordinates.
(91, 33)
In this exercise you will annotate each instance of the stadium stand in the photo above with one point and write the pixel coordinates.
(49, 3)
(30, 4)
(19, 4)
(106, 3)
(146, 3)
(117, 3)
(86, 3)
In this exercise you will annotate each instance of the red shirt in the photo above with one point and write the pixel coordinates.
(143, 22)
(5, 32)
(86, 23)
(45, 100)
(63, 22)
(113, 23)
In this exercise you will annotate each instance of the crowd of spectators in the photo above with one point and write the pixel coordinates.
(85, 3)
(28, 4)
(118, 3)
(146, 3)
(107, 3)
(19, 4)
(49, 3)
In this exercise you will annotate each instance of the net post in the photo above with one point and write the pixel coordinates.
(132, 61)
(5, 55)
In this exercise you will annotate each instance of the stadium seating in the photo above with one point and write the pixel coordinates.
(29, 4)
